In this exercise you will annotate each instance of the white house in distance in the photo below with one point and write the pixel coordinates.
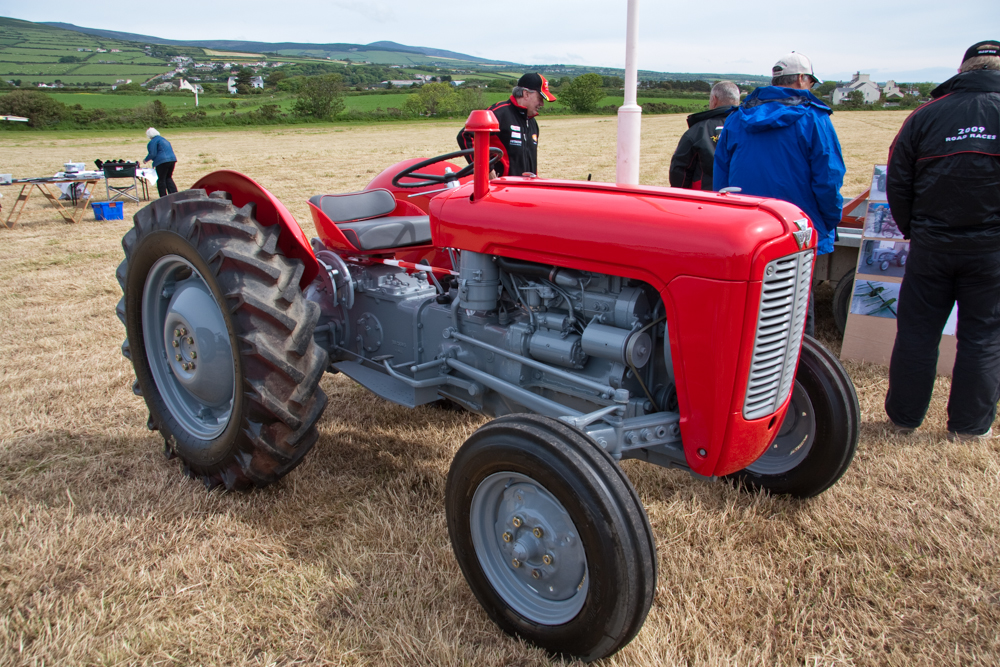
(255, 82)
(891, 90)
(869, 89)
(861, 82)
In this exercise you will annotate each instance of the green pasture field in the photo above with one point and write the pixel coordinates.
(215, 104)
(113, 101)
(693, 105)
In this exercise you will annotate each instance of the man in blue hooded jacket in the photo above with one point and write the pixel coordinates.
(780, 143)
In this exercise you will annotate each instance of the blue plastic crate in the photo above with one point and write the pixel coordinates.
(108, 210)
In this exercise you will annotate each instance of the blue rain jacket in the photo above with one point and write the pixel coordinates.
(159, 151)
(780, 143)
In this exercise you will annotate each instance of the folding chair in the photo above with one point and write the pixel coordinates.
(121, 170)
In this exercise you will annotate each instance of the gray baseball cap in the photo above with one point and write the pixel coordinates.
(794, 63)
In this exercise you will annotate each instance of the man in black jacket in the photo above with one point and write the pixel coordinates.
(518, 136)
(691, 166)
(944, 192)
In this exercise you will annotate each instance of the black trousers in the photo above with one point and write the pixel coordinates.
(933, 283)
(165, 178)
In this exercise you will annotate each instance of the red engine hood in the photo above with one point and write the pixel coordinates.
(651, 233)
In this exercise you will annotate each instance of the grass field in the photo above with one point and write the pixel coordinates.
(109, 556)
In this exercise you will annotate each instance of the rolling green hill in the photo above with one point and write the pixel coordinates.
(377, 53)
(36, 53)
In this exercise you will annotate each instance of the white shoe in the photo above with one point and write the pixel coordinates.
(954, 436)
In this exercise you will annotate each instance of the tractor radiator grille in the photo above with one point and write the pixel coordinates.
(780, 322)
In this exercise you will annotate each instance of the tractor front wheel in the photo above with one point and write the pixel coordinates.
(818, 438)
(551, 536)
(221, 339)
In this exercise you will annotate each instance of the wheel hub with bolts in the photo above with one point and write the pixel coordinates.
(529, 547)
(794, 439)
(188, 347)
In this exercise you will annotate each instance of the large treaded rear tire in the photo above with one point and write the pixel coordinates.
(267, 421)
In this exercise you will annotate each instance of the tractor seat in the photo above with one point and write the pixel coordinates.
(364, 219)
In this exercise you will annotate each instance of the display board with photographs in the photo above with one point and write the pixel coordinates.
(871, 321)
(881, 257)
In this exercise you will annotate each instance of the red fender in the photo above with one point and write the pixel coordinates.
(270, 211)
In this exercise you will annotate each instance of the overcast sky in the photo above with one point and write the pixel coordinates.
(887, 38)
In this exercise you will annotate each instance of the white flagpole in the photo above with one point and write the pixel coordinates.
(630, 113)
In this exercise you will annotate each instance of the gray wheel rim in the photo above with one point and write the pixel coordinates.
(529, 548)
(187, 346)
(795, 438)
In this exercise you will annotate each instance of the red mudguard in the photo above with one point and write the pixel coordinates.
(244, 190)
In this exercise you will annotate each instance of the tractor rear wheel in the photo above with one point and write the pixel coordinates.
(818, 438)
(551, 536)
(221, 339)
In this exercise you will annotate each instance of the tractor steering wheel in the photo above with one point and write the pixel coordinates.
(438, 179)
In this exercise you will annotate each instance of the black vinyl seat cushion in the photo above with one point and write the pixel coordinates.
(353, 206)
(388, 232)
(364, 219)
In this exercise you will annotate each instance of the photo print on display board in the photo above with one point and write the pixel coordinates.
(877, 191)
(879, 222)
(883, 258)
(875, 298)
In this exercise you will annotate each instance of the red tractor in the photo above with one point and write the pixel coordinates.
(595, 322)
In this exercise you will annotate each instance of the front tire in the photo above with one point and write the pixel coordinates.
(221, 339)
(818, 438)
(551, 536)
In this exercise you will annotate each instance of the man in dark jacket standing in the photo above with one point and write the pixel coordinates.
(518, 136)
(691, 166)
(781, 143)
(944, 192)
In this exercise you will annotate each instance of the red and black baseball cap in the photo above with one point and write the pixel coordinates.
(536, 82)
(990, 47)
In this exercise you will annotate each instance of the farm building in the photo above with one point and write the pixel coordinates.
(869, 89)
(861, 82)
(891, 90)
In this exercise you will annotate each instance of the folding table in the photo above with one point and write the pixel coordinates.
(28, 185)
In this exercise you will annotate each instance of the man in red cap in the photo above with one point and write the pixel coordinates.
(518, 135)
(944, 171)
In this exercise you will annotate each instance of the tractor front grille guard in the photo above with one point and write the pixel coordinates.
(784, 301)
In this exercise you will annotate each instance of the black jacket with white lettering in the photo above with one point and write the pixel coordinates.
(691, 165)
(944, 167)
(518, 139)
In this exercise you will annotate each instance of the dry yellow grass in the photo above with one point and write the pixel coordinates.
(109, 556)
